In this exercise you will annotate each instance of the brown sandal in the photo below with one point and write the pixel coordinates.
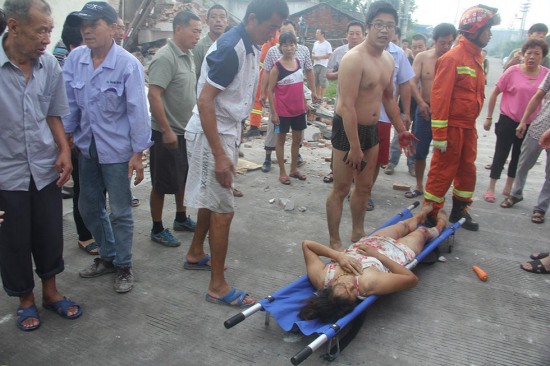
(298, 175)
(510, 201)
(537, 217)
(284, 180)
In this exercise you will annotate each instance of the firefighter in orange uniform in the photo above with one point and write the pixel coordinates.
(457, 98)
(255, 118)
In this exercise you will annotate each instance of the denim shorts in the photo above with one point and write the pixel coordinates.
(422, 129)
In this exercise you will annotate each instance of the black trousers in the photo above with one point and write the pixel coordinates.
(507, 140)
(32, 229)
(83, 232)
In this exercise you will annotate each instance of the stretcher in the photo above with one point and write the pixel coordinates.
(285, 304)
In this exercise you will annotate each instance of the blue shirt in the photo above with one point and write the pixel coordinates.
(231, 66)
(402, 73)
(27, 146)
(107, 103)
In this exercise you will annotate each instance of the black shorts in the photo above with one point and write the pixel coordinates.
(168, 167)
(297, 123)
(368, 135)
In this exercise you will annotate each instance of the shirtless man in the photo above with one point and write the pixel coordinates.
(424, 65)
(361, 91)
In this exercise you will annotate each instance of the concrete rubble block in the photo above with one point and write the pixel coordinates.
(286, 204)
(401, 187)
(302, 209)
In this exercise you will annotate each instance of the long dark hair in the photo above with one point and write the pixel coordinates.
(326, 306)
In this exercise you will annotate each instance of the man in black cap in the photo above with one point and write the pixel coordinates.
(110, 126)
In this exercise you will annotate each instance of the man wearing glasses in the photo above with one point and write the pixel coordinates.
(361, 92)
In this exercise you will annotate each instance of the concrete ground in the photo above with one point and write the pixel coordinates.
(450, 318)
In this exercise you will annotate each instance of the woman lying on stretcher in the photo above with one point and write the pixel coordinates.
(372, 266)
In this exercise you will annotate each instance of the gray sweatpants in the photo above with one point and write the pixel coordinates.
(530, 152)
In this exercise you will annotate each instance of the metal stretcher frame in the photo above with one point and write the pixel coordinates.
(328, 331)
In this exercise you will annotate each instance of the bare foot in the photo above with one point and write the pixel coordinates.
(337, 246)
(355, 237)
(424, 212)
(442, 216)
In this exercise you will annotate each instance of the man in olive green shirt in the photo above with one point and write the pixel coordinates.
(216, 19)
(172, 96)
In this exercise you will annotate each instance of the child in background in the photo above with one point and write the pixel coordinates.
(287, 105)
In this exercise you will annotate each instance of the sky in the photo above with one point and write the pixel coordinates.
(449, 11)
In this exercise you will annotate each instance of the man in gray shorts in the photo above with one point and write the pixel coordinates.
(226, 89)
(172, 96)
(321, 52)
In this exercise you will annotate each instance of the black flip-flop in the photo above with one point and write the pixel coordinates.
(540, 255)
(413, 193)
(536, 267)
(89, 248)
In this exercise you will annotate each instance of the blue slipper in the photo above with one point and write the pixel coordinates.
(62, 308)
(200, 265)
(25, 313)
(230, 297)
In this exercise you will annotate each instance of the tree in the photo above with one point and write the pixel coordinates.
(347, 5)
(405, 10)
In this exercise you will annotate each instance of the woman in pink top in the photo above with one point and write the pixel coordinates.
(375, 265)
(287, 105)
(517, 84)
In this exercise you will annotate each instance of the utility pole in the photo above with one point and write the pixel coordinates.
(524, 9)
(404, 15)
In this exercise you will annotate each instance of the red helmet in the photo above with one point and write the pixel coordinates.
(477, 17)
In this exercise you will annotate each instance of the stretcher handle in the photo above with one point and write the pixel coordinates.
(301, 356)
(414, 205)
(234, 320)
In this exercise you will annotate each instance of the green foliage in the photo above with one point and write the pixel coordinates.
(503, 49)
(347, 5)
(330, 91)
